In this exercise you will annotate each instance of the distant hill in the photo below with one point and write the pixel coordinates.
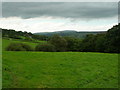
(71, 33)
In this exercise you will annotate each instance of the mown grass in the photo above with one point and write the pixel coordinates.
(59, 70)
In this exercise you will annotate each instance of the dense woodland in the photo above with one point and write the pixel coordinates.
(105, 42)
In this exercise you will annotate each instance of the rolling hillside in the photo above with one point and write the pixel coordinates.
(71, 33)
(6, 42)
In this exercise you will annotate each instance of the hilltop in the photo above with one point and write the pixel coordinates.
(71, 33)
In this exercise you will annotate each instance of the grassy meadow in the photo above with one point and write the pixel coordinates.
(6, 42)
(58, 69)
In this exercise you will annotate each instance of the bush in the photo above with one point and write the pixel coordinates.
(19, 47)
(46, 47)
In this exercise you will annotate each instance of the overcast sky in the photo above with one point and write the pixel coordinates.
(56, 16)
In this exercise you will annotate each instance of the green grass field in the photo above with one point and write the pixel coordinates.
(6, 42)
(59, 69)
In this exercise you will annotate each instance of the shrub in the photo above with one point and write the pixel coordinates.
(46, 47)
(19, 47)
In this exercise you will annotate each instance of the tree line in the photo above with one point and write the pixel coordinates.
(108, 42)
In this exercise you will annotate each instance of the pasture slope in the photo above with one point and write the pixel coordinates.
(6, 42)
(59, 70)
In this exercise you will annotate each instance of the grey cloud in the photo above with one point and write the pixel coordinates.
(87, 10)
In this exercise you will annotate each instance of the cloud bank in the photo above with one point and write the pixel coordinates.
(85, 10)
(56, 16)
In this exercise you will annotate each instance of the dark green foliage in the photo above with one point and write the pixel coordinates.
(45, 47)
(59, 42)
(73, 44)
(88, 44)
(18, 47)
(93, 43)
(15, 37)
(113, 39)
(106, 42)
(100, 42)
(41, 37)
